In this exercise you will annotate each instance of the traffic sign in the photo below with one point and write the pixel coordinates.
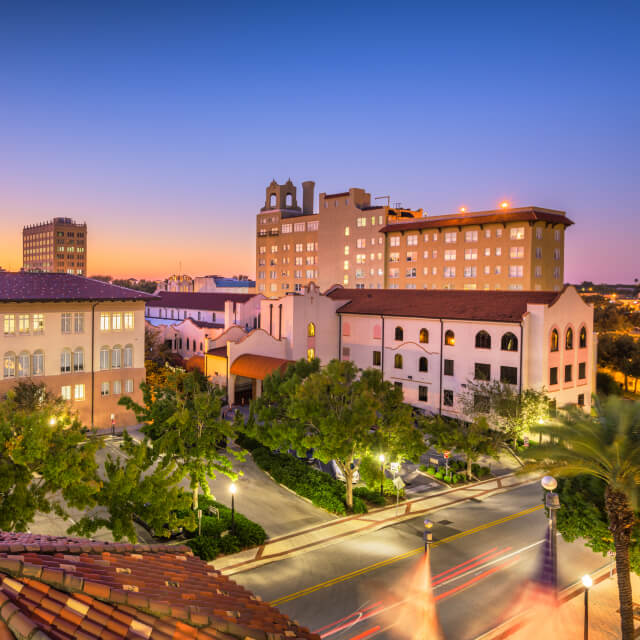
(398, 483)
(395, 467)
(446, 454)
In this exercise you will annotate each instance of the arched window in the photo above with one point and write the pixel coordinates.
(311, 354)
(555, 340)
(37, 363)
(399, 333)
(116, 357)
(397, 361)
(9, 364)
(272, 200)
(187, 344)
(311, 329)
(483, 340)
(423, 364)
(509, 342)
(128, 357)
(583, 337)
(288, 200)
(105, 359)
(65, 361)
(449, 338)
(24, 364)
(568, 339)
(424, 336)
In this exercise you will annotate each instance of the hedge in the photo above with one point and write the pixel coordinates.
(217, 538)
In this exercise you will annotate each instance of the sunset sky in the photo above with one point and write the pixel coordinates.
(160, 124)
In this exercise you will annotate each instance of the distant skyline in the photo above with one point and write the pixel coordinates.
(161, 124)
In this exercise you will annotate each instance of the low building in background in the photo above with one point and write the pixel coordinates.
(207, 284)
(430, 344)
(83, 338)
(58, 246)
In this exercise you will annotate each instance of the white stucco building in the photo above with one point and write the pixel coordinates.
(430, 343)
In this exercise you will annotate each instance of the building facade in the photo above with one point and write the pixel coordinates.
(83, 338)
(357, 244)
(58, 246)
(430, 343)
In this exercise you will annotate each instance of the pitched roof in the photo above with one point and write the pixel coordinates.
(25, 286)
(203, 301)
(68, 588)
(220, 352)
(450, 304)
(251, 365)
(500, 216)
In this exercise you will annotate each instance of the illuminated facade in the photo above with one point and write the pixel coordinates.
(58, 246)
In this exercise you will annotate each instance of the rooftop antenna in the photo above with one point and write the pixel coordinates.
(397, 205)
(387, 198)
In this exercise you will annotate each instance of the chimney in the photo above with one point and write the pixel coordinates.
(307, 196)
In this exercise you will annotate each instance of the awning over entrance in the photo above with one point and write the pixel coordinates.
(257, 367)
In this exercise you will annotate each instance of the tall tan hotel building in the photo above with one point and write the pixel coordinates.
(360, 245)
(58, 246)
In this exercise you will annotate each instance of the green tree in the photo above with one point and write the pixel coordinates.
(473, 439)
(270, 420)
(514, 413)
(31, 396)
(343, 417)
(46, 461)
(185, 427)
(606, 447)
(133, 486)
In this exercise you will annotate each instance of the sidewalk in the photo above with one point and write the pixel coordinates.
(567, 620)
(337, 530)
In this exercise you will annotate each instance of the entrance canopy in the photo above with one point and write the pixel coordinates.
(258, 367)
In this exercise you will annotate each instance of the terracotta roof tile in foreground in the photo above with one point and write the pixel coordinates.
(67, 588)
(449, 304)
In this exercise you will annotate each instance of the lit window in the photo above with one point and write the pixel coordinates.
(470, 254)
(311, 330)
(555, 340)
(346, 231)
(450, 237)
(471, 236)
(78, 392)
(128, 320)
(397, 361)
(516, 271)
(65, 392)
(516, 233)
(412, 239)
(9, 324)
(23, 323)
(450, 254)
(104, 321)
(9, 365)
(311, 354)
(24, 365)
(450, 338)
(516, 252)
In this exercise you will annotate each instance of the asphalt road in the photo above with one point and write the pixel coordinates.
(373, 586)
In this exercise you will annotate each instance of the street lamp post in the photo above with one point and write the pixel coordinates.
(428, 537)
(381, 458)
(552, 502)
(233, 505)
(588, 583)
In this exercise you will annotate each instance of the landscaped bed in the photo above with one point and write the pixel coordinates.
(457, 472)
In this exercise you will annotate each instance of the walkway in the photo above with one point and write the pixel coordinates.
(337, 530)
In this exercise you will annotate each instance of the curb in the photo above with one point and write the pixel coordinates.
(257, 559)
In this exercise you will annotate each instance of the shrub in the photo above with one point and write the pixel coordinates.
(424, 467)
(439, 475)
(247, 442)
(607, 385)
(370, 472)
(358, 505)
(319, 487)
(212, 542)
(431, 471)
(373, 497)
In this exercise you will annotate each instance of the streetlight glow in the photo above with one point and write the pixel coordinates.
(587, 581)
(463, 209)
(381, 457)
(52, 421)
(504, 204)
(233, 488)
(549, 483)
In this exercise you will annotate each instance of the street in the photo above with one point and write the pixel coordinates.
(366, 587)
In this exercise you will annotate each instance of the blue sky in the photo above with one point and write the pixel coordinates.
(160, 124)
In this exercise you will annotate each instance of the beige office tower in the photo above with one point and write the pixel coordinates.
(58, 246)
(359, 245)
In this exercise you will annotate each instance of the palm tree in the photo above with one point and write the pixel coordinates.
(607, 446)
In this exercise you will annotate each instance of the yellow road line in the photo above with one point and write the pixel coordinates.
(402, 556)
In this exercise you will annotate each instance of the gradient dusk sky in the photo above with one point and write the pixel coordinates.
(160, 124)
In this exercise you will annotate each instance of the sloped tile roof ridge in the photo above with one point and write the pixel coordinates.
(18, 542)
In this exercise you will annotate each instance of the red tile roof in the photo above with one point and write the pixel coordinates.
(68, 588)
(501, 216)
(220, 352)
(23, 286)
(203, 301)
(450, 304)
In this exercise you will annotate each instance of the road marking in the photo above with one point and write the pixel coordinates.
(402, 556)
